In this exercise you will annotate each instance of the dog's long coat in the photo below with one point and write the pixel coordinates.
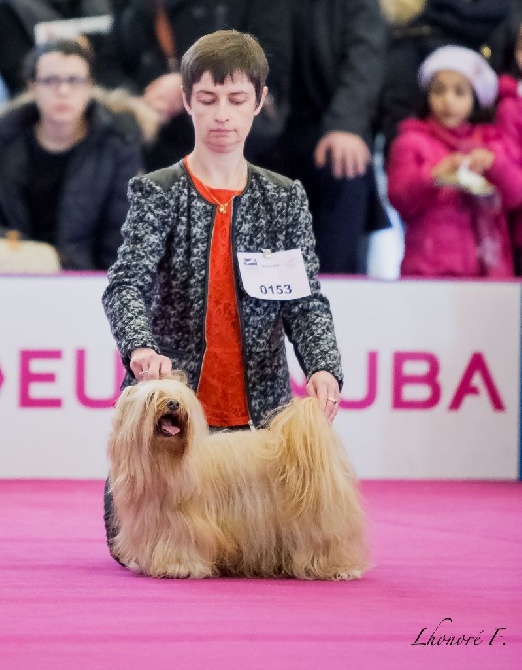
(280, 501)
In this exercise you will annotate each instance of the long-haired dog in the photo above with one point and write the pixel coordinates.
(278, 501)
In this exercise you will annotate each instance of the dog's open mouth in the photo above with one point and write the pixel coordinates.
(169, 424)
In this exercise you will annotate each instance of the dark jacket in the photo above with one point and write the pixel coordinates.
(156, 295)
(93, 202)
(449, 232)
(339, 55)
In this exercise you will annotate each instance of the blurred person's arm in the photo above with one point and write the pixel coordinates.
(128, 165)
(347, 123)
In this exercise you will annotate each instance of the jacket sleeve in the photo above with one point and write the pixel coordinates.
(411, 188)
(308, 321)
(508, 120)
(506, 175)
(128, 165)
(361, 70)
(133, 275)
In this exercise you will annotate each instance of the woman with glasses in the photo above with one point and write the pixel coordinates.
(66, 159)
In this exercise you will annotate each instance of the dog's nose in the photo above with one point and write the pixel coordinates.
(173, 405)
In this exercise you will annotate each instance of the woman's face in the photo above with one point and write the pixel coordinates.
(450, 98)
(62, 88)
(222, 114)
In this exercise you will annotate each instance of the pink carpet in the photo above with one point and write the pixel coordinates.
(441, 549)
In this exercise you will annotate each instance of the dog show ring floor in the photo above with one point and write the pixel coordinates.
(445, 591)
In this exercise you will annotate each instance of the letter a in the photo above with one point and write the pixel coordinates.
(477, 365)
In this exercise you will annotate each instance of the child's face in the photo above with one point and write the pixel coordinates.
(223, 114)
(450, 98)
(62, 88)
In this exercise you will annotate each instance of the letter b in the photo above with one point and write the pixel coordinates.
(427, 379)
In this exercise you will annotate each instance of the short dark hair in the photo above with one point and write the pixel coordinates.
(222, 54)
(62, 46)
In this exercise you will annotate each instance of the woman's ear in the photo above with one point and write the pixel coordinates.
(264, 93)
(186, 104)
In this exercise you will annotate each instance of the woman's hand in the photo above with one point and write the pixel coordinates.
(323, 386)
(147, 364)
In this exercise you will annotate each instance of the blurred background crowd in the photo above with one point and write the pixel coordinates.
(90, 96)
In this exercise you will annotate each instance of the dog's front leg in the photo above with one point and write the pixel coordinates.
(189, 552)
(178, 563)
(180, 567)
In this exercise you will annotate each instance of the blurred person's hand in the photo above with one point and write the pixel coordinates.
(164, 96)
(448, 166)
(480, 160)
(347, 153)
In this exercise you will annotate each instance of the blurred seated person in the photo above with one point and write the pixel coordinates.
(66, 159)
(151, 36)
(20, 18)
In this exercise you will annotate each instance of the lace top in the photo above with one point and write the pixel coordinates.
(221, 388)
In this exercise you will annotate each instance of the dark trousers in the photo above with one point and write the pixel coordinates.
(111, 529)
(343, 210)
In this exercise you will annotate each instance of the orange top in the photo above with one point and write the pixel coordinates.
(221, 388)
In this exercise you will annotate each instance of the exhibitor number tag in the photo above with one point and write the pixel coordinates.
(278, 275)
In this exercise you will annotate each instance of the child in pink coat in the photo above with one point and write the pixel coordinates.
(451, 179)
(509, 120)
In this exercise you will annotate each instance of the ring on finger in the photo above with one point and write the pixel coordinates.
(332, 400)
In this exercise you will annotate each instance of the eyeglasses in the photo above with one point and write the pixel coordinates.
(55, 81)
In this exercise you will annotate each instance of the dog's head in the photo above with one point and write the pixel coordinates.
(159, 414)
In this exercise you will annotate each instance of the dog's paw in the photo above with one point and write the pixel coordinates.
(183, 571)
(346, 576)
(134, 567)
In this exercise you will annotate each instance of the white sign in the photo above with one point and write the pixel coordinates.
(71, 28)
(432, 377)
(278, 275)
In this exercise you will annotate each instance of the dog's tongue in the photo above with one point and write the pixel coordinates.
(167, 427)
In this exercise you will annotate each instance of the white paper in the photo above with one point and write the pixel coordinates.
(278, 275)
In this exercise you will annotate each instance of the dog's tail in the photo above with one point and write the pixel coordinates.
(312, 462)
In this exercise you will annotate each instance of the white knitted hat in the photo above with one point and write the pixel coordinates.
(468, 63)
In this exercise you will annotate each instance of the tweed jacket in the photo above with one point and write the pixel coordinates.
(156, 296)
